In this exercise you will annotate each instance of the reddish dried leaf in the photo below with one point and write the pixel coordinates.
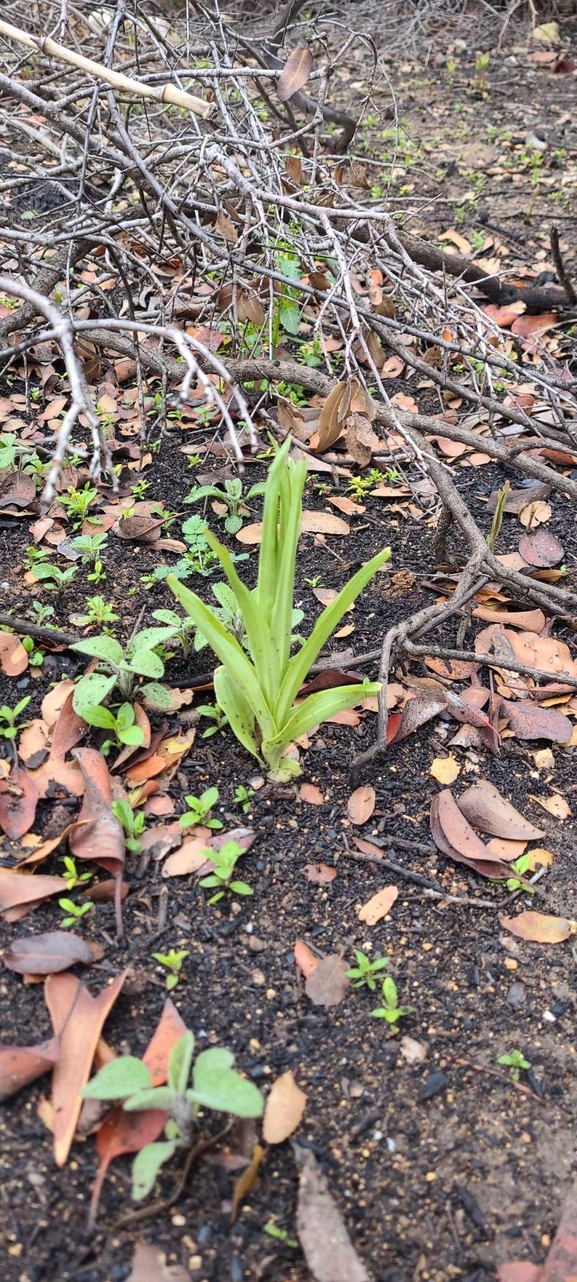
(527, 620)
(149, 1265)
(20, 1065)
(458, 830)
(361, 804)
(13, 656)
(48, 953)
(485, 808)
(22, 888)
(18, 801)
(77, 1018)
(327, 984)
(69, 728)
(32, 743)
(320, 874)
(332, 416)
(518, 1271)
(561, 1262)
(541, 549)
(295, 73)
(430, 699)
(98, 834)
(310, 793)
(531, 721)
(327, 1248)
(305, 959)
(527, 326)
(486, 867)
(283, 1110)
(170, 1029)
(539, 928)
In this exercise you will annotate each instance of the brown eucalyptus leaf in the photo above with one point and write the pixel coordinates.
(149, 1265)
(48, 953)
(18, 801)
(378, 906)
(305, 958)
(492, 867)
(284, 1109)
(20, 1065)
(295, 73)
(531, 721)
(485, 808)
(18, 888)
(327, 1247)
(320, 874)
(332, 416)
(361, 804)
(539, 928)
(541, 548)
(327, 984)
(13, 657)
(458, 830)
(430, 699)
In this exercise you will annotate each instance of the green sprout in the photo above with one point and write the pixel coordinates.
(71, 875)
(9, 716)
(232, 498)
(516, 1063)
(221, 877)
(172, 961)
(390, 1010)
(363, 974)
(133, 823)
(243, 798)
(199, 809)
(75, 912)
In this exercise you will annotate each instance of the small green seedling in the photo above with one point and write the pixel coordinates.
(363, 974)
(213, 713)
(122, 725)
(281, 1235)
(184, 629)
(517, 882)
(232, 499)
(133, 822)
(74, 911)
(71, 875)
(99, 612)
(53, 578)
(90, 545)
(172, 961)
(221, 877)
(35, 656)
(77, 502)
(243, 798)
(516, 1063)
(119, 667)
(390, 1010)
(215, 1085)
(9, 718)
(199, 809)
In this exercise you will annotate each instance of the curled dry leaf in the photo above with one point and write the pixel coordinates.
(20, 1065)
(539, 928)
(328, 1250)
(378, 906)
(486, 865)
(69, 728)
(193, 856)
(305, 958)
(18, 801)
(361, 804)
(485, 808)
(507, 850)
(526, 620)
(77, 1018)
(332, 416)
(98, 834)
(283, 1110)
(320, 874)
(295, 73)
(32, 743)
(535, 514)
(13, 656)
(20, 888)
(531, 721)
(555, 805)
(327, 984)
(458, 830)
(48, 953)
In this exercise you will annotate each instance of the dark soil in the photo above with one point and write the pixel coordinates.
(443, 1169)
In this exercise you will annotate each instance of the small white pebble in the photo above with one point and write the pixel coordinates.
(249, 928)
(377, 1135)
(391, 1144)
(551, 1019)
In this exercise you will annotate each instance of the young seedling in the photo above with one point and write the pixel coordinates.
(121, 723)
(53, 577)
(516, 1063)
(172, 961)
(222, 875)
(390, 1009)
(9, 727)
(281, 1235)
(243, 798)
(90, 545)
(75, 912)
(120, 667)
(98, 613)
(363, 974)
(72, 876)
(258, 693)
(199, 809)
(215, 1085)
(213, 713)
(517, 882)
(183, 628)
(77, 502)
(133, 822)
(231, 498)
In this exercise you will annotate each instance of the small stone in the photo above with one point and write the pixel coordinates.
(511, 963)
(413, 1052)
(517, 996)
(179, 1221)
(430, 1176)
(256, 945)
(433, 1085)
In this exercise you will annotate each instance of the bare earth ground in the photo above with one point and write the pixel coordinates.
(438, 1177)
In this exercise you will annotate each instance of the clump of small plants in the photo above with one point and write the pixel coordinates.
(9, 727)
(199, 810)
(209, 1083)
(362, 975)
(222, 878)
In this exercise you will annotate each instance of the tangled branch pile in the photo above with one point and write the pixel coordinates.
(180, 195)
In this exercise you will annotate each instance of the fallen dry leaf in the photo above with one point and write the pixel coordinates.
(445, 770)
(32, 743)
(507, 850)
(305, 959)
(535, 514)
(77, 1018)
(539, 928)
(361, 804)
(284, 1109)
(312, 794)
(518, 1271)
(378, 906)
(485, 808)
(149, 1265)
(69, 729)
(561, 1262)
(295, 73)
(13, 656)
(486, 865)
(193, 855)
(246, 1181)
(48, 953)
(97, 833)
(18, 801)
(53, 702)
(20, 1065)
(328, 1250)
(21, 888)
(458, 830)
(327, 984)
(554, 805)
(541, 549)
(532, 721)
(320, 874)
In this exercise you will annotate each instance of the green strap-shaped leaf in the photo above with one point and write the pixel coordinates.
(264, 651)
(300, 665)
(317, 708)
(238, 710)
